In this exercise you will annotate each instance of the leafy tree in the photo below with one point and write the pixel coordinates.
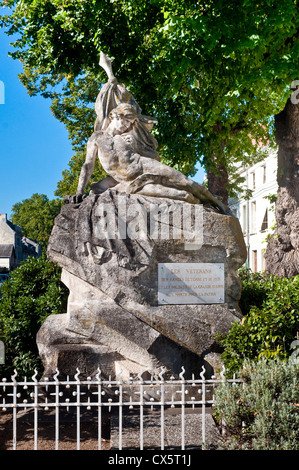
(270, 323)
(36, 216)
(69, 182)
(213, 73)
(71, 34)
(32, 292)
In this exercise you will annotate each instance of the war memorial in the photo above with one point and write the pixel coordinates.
(149, 256)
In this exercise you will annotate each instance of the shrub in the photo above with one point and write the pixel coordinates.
(255, 287)
(32, 292)
(262, 413)
(270, 323)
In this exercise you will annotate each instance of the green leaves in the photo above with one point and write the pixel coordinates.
(36, 216)
(192, 65)
(271, 320)
(70, 177)
(262, 412)
(32, 292)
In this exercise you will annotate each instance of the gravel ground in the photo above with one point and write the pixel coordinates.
(46, 432)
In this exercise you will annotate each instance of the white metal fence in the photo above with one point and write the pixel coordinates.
(113, 398)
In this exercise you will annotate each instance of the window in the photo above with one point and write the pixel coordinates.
(264, 174)
(253, 217)
(265, 222)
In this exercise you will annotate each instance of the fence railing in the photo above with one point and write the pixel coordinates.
(116, 399)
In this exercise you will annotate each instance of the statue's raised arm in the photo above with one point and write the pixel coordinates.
(106, 64)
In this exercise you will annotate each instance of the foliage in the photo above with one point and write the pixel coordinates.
(32, 292)
(255, 287)
(69, 182)
(262, 413)
(36, 216)
(213, 74)
(270, 323)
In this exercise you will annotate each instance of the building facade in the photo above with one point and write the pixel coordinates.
(14, 247)
(256, 214)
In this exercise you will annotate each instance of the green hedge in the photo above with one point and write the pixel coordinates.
(270, 324)
(32, 292)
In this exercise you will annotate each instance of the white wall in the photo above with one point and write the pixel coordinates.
(256, 215)
(5, 263)
(7, 234)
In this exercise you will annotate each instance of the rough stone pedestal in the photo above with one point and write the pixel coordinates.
(114, 321)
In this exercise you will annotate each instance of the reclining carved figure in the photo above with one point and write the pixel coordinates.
(127, 151)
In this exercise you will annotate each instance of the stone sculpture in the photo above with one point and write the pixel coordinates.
(127, 150)
(110, 257)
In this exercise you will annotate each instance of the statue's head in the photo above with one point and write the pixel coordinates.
(129, 111)
(122, 118)
(125, 111)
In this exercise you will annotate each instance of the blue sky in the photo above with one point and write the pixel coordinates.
(34, 146)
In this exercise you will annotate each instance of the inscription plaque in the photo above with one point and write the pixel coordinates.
(190, 283)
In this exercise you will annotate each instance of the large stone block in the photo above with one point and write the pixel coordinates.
(114, 320)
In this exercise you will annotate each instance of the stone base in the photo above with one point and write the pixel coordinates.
(114, 321)
(62, 349)
(99, 334)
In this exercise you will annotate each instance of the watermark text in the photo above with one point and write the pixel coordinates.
(159, 222)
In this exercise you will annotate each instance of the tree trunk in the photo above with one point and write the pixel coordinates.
(217, 182)
(282, 254)
(216, 172)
